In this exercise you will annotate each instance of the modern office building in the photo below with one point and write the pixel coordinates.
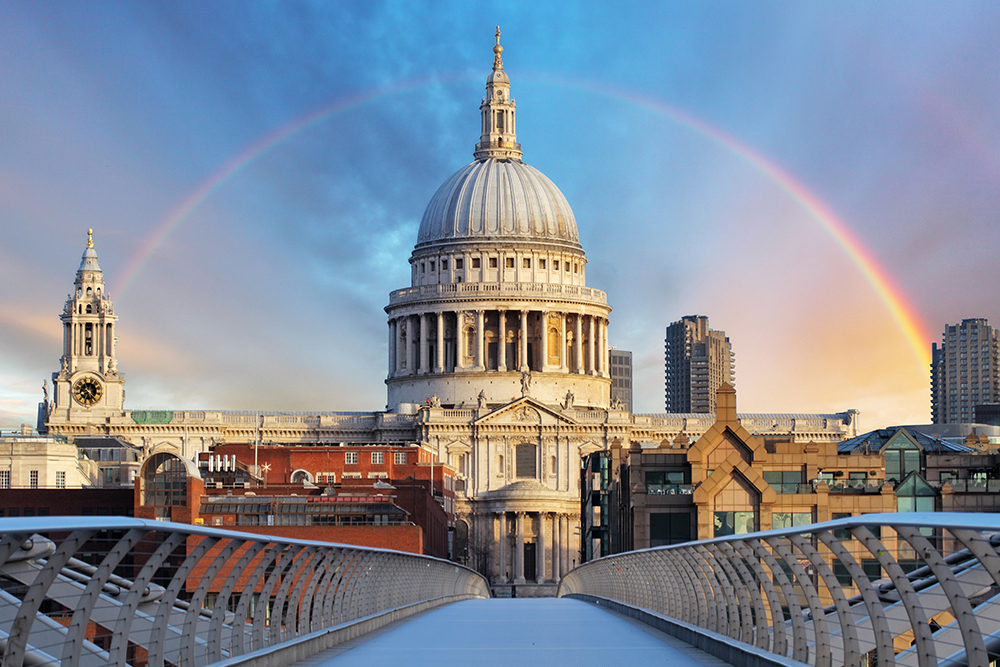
(620, 367)
(964, 371)
(697, 361)
(731, 481)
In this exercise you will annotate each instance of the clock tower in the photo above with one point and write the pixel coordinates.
(88, 388)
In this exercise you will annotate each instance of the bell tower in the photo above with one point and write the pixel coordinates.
(88, 387)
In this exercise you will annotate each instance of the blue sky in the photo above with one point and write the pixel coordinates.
(269, 293)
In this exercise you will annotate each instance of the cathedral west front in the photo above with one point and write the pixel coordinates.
(497, 363)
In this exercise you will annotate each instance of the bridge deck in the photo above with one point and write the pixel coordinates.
(515, 633)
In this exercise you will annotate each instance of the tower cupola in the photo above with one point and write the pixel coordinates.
(498, 137)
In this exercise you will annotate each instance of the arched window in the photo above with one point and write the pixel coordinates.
(302, 477)
(90, 308)
(164, 482)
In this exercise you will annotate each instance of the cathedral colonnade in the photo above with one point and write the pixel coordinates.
(530, 547)
(469, 340)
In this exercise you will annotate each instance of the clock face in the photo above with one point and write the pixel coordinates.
(87, 391)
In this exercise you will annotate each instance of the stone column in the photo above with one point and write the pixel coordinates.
(392, 347)
(439, 362)
(497, 546)
(564, 538)
(400, 347)
(563, 361)
(502, 351)
(578, 345)
(545, 339)
(556, 548)
(604, 348)
(459, 339)
(519, 550)
(590, 349)
(525, 364)
(425, 363)
(480, 340)
(540, 559)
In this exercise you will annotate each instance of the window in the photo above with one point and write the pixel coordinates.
(841, 533)
(901, 459)
(784, 481)
(509, 262)
(432, 265)
(351, 458)
(555, 265)
(351, 475)
(60, 479)
(33, 479)
(733, 523)
(526, 263)
(444, 265)
(164, 482)
(423, 267)
(378, 457)
(525, 463)
(493, 262)
(4, 479)
(475, 263)
(790, 519)
(378, 475)
(400, 458)
(541, 263)
(669, 528)
(459, 263)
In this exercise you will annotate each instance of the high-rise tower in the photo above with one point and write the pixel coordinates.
(698, 361)
(88, 388)
(965, 371)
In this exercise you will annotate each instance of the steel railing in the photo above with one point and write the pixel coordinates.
(918, 589)
(119, 591)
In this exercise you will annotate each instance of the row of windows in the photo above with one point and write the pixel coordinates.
(32, 479)
(399, 458)
(494, 263)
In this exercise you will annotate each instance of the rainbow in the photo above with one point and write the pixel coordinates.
(902, 311)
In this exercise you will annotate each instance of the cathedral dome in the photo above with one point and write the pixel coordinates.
(498, 199)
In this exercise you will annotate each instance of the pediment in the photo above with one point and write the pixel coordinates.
(524, 412)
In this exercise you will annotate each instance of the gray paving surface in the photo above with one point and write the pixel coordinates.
(515, 633)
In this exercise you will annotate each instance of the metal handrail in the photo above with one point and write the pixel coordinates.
(918, 589)
(157, 592)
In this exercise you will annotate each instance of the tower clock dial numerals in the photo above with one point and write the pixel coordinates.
(87, 391)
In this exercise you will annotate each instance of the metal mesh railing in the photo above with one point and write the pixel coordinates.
(118, 591)
(877, 589)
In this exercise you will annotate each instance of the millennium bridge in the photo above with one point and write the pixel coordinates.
(875, 590)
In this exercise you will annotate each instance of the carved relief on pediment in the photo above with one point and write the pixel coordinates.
(526, 415)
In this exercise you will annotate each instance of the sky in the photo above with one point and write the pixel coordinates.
(820, 179)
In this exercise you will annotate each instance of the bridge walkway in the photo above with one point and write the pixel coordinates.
(515, 633)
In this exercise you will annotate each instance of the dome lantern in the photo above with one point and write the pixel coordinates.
(499, 137)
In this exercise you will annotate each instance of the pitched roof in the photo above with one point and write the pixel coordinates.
(873, 442)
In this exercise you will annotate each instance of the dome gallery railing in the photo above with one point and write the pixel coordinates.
(532, 290)
(118, 591)
(877, 589)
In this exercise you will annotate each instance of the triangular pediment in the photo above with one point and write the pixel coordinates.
(901, 439)
(524, 411)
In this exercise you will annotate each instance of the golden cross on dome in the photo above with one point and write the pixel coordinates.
(90, 238)
(497, 63)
